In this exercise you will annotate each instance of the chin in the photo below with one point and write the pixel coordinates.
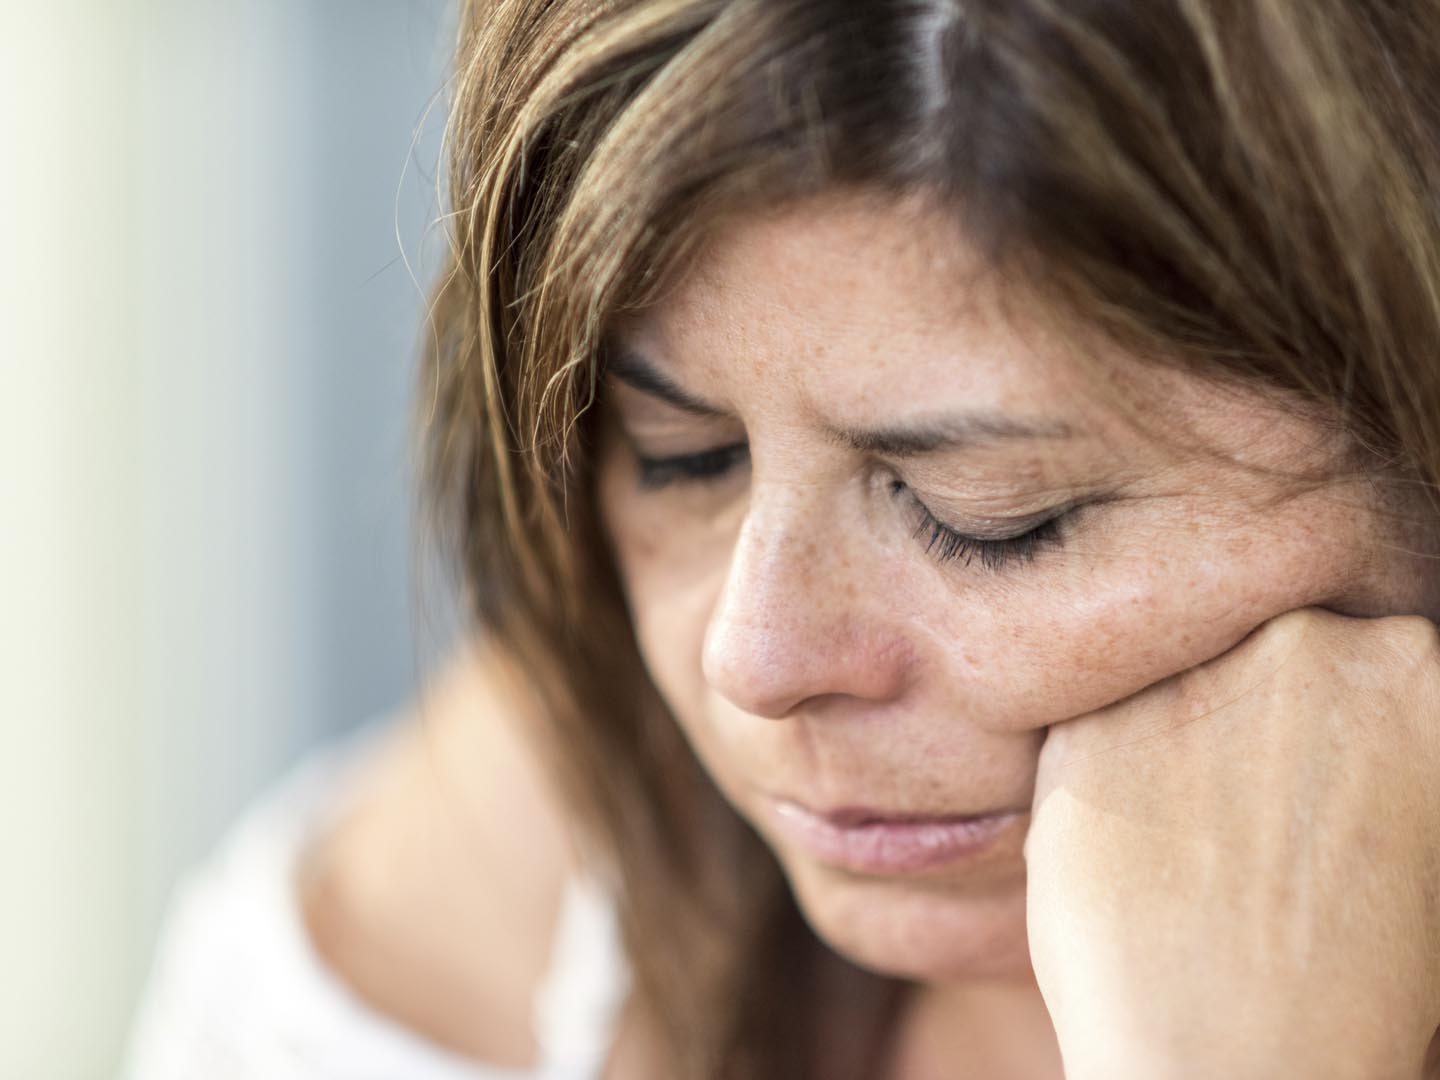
(934, 930)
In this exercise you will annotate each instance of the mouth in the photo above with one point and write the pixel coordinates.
(874, 842)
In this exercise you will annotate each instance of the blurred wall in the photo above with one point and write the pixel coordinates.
(207, 338)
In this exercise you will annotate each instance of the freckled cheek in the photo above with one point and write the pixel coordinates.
(1029, 665)
(670, 604)
(665, 561)
(1047, 651)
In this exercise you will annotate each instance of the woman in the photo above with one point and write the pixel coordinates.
(949, 490)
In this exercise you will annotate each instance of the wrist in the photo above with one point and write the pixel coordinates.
(1247, 1043)
(1242, 1057)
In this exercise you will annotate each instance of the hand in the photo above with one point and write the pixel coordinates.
(1236, 872)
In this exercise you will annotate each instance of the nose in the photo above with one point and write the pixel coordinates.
(801, 615)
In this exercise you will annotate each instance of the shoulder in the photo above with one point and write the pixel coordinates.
(376, 911)
(437, 897)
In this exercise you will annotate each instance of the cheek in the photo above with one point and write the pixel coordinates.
(671, 564)
(1099, 625)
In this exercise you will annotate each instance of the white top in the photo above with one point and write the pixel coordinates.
(238, 992)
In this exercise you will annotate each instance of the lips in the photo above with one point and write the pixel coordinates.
(873, 842)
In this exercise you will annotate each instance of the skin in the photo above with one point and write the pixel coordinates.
(426, 901)
(1234, 872)
(400, 894)
(811, 648)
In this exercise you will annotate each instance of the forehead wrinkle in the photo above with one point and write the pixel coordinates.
(958, 431)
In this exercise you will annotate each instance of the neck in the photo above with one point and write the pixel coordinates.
(995, 1027)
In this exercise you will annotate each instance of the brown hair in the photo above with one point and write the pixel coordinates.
(1244, 187)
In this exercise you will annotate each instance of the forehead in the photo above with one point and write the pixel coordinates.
(846, 310)
(845, 301)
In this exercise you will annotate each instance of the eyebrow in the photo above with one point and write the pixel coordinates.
(948, 432)
(634, 370)
(926, 435)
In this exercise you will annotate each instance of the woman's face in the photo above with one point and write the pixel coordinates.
(875, 537)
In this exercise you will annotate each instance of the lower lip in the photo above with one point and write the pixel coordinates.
(889, 846)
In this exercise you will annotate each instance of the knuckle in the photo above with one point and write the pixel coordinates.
(1291, 624)
(1283, 634)
(1399, 668)
(1411, 665)
(1409, 636)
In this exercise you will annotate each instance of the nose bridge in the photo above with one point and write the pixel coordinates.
(773, 568)
(792, 620)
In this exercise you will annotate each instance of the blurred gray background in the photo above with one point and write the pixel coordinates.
(207, 345)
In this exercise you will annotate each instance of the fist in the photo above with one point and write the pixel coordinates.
(1236, 871)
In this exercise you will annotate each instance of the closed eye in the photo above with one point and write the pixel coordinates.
(940, 541)
(706, 465)
(946, 544)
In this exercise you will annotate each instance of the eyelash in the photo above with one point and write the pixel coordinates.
(707, 466)
(944, 544)
(941, 542)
